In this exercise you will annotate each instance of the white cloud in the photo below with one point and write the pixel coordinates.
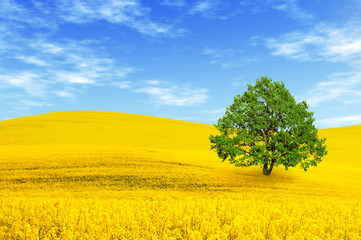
(125, 12)
(239, 81)
(218, 111)
(223, 58)
(323, 42)
(163, 93)
(60, 68)
(340, 121)
(342, 88)
(63, 63)
(150, 28)
(77, 55)
(80, 61)
(32, 60)
(202, 7)
(173, 3)
(59, 65)
(122, 84)
(110, 10)
(25, 104)
(219, 53)
(123, 72)
(339, 43)
(17, 14)
(51, 15)
(290, 7)
(46, 47)
(32, 103)
(7, 37)
(228, 58)
(214, 9)
(291, 49)
(254, 41)
(153, 82)
(10, 10)
(206, 116)
(29, 82)
(74, 78)
(64, 94)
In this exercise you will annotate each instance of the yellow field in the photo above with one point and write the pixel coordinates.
(102, 175)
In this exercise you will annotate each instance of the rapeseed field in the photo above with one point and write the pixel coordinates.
(104, 175)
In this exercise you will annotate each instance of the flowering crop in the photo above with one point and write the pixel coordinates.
(118, 176)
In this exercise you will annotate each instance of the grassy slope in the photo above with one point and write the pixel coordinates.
(99, 153)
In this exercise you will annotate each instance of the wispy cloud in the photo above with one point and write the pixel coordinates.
(18, 14)
(29, 82)
(128, 13)
(25, 104)
(165, 93)
(154, 82)
(227, 58)
(218, 111)
(58, 68)
(291, 8)
(173, 3)
(31, 103)
(219, 53)
(327, 42)
(209, 116)
(32, 60)
(239, 81)
(74, 78)
(64, 93)
(222, 10)
(330, 43)
(122, 84)
(60, 64)
(343, 88)
(323, 42)
(204, 7)
(150, 28)
(210, 9)
(214, 9)
(340, 121)
(79, 56)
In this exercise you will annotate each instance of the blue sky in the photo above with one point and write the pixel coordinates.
(178, 59)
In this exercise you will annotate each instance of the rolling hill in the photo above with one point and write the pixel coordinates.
(128, 151)
(96, 127)
(107, 175)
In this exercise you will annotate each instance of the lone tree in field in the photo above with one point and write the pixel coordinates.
(267, 127)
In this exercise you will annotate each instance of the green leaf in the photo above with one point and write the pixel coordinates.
(266, 126)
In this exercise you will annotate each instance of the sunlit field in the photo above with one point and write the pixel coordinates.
(103, 175)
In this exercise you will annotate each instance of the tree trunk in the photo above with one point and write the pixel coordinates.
(267, 171)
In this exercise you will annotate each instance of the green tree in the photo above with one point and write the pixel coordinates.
(267, 127)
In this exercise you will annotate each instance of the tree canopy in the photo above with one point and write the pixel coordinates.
(267, 127)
